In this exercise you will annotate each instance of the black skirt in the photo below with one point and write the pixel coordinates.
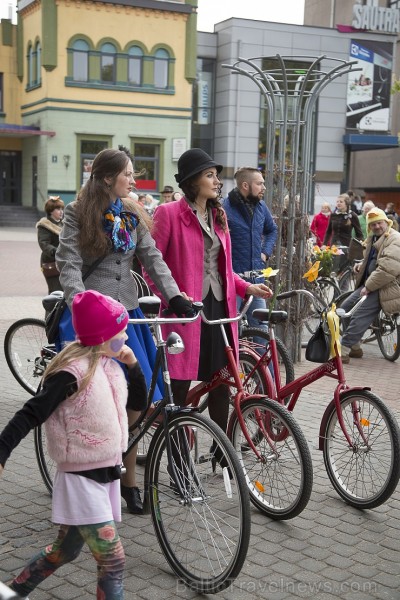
(212, 347)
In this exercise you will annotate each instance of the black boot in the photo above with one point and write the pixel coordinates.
(131, 495)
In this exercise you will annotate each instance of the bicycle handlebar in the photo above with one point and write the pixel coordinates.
(231, 319)
(250, 274)
(197, 307)
(341, 312)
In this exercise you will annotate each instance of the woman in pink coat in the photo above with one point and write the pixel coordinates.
(320, 223)
(193, 237)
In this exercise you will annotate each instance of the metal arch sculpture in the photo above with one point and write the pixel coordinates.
(290, 100)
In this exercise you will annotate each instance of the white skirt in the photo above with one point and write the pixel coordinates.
(78, 500)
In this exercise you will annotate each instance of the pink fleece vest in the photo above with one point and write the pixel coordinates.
(90, 430)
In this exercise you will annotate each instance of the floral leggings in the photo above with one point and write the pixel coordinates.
(105, 545)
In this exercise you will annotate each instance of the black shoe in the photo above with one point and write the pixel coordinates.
(131, 495)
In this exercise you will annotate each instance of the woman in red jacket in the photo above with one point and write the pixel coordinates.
(193, 238)
(320, 223)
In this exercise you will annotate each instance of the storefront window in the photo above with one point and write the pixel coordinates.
(89, 149)
(147, 156)
(203, 105)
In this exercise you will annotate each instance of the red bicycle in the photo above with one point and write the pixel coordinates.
(271, 447)
(359, 435)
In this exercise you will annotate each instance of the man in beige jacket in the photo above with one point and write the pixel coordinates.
(378, 279)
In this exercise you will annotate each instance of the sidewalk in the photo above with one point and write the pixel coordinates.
(330, 551)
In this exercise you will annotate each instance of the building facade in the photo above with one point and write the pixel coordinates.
(373, 170)
(80, 76)
(77, 76)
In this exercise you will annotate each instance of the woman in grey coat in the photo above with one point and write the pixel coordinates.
(48, 232)
(103, 222)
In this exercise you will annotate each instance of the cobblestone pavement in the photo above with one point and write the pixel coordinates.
(330, 551)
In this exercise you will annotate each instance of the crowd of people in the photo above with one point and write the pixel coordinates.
(192, 245)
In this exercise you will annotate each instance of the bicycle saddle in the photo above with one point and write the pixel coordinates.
(275, 316)
(149, 304)
(49, 302)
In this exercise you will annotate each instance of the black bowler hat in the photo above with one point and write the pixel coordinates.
(168, 189)
(194, 161)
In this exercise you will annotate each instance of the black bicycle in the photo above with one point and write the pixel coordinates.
(27, 352)
(194, 485)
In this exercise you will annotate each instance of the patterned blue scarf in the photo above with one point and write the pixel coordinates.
(118, 225)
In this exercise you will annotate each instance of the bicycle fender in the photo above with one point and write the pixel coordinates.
(234, 416)
(271, 391)
(330, 408)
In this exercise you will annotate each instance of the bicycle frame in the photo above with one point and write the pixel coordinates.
(230, 377)
(165, 407)
(293, 389)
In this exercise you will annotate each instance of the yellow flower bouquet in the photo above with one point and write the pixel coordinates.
(322, 262)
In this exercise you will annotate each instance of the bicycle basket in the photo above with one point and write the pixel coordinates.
(356, 250)
(318, 347)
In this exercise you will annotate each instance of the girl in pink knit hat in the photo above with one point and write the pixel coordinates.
(82, 402)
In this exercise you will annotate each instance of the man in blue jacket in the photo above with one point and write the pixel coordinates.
(252, 228)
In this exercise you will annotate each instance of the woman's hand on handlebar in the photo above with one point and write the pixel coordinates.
(260, 290)
(181, 306)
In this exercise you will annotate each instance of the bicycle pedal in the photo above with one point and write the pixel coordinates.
(205, 458)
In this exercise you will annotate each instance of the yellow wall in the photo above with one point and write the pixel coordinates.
(11, 84)
(122, 24)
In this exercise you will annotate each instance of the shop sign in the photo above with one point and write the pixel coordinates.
(376, 18)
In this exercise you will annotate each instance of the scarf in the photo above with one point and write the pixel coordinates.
(118, 225)
(249, 203)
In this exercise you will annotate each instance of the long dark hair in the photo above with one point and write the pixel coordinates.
(94, 199)
(190, 188)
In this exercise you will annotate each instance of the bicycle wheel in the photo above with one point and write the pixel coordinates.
(23, 345)
(143, 446)
(285, 361)
(366, 473)
(347, 280)
(280, 483)
(204, 536)
(47, 466)
(388, 336)
(325, 291)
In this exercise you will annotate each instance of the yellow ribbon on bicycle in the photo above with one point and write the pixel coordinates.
(333, 324)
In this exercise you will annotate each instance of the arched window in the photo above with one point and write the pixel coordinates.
(30, 66)
(107, 66)
(80, 60)
(38, 63)
(135, 65)
(161, 63)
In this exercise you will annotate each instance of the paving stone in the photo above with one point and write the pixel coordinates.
(316, 555)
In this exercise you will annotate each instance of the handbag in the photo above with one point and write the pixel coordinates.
(50, 269)
(356, 250)
(318, 346)
(52, 321)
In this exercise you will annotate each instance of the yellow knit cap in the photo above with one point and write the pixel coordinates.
(377, 214)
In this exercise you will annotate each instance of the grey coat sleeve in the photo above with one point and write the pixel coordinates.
(68, 257)
(152, 260)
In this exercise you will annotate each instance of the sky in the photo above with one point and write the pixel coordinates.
(214, 11)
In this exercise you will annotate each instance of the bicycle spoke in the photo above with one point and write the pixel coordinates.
(365, 473)
(280, 481)
(200, 517)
